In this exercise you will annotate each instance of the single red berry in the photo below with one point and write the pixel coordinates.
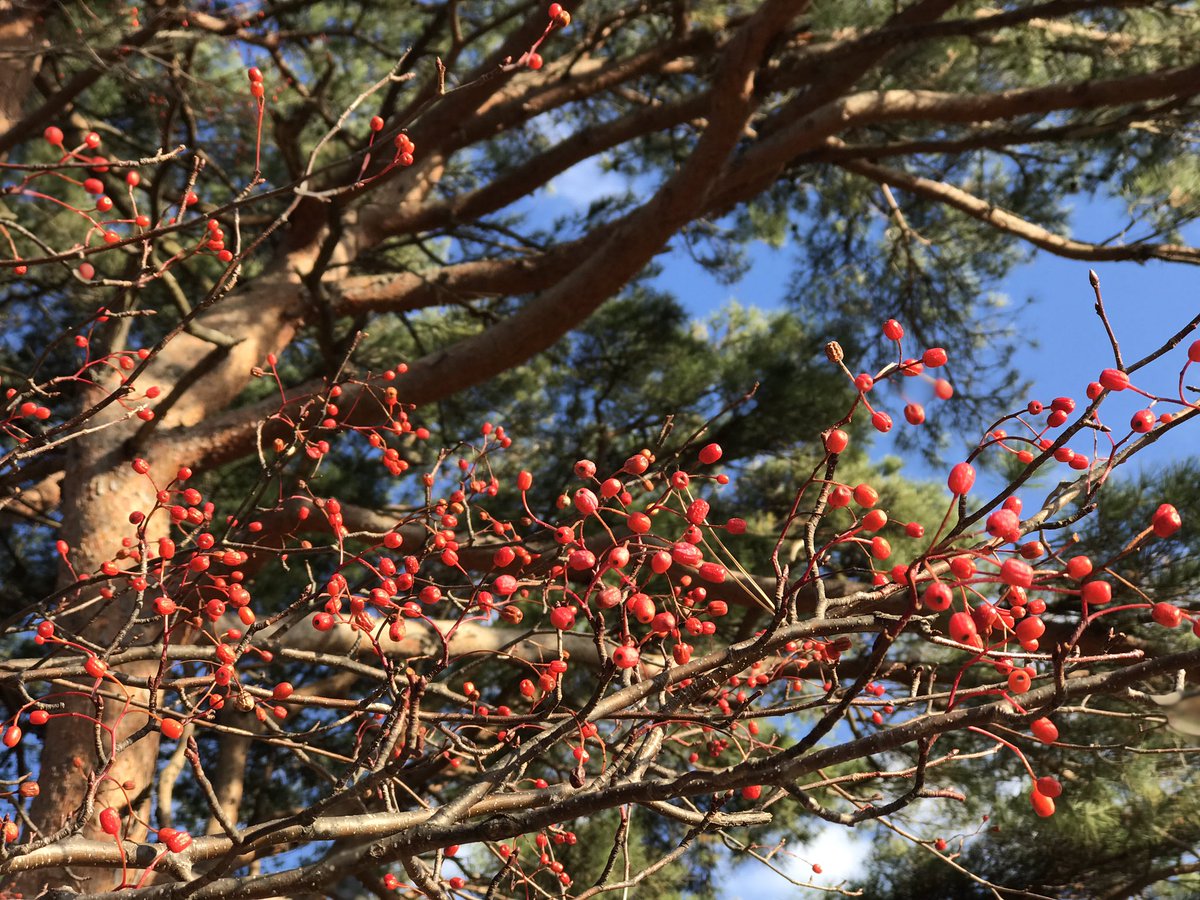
(53, 136)
(1019, 681)
(893, 330)
(92, 140)
(254, 74)
(376, 123)
(1142, 421)
(1050, 787)
(864, 382)
(1017, 573)
(840, 497)
(937, 597)
(534, 61)
(1165, 614)
(710, 453)
(962, 478)
(836, 441)
(752, 791)
(1044, 730)
(110, 821)
(1096, 593)
(943, 389)
(962, 628)
(866, 496)
(882, 422)
(172, 729)
(562, 618)
(1114, 380)
(1194, 352)
(1079, 567)
(914, 413)
(934, 357)
(12, 736)
(625, 657)
(1042, 805)
(586, 502)
(874, 520)
(1166, 521)
(1004, 523)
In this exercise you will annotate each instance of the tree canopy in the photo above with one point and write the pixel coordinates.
(374, 513)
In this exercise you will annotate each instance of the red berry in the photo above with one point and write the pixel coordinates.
(914, 413)
(1050, 787)
(1096, 593)
(110, 821)
(586, 502)
(1042, 805)
(943, 389)
(962, 477)
(376, 123)
(1045, 731)
(1165, 614)
(1019, 680)
(1079, 567)
(882, 422)
(92, 140)
(1194, 352)
(254, 74)
(1166, 521)
(866, 496)
(962, 628)
(12, 736)
(172, 729)
(893, 330)
(1142, 421)
(562, 618)
(710, 453)
(534, 61)
(937, 597)
(934, 357)
(1114, 380)
(874, 520)
(836, 441)
(625, 657)
(752, 791)
(1004, 523)
(1016, 573)
(53, 136)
